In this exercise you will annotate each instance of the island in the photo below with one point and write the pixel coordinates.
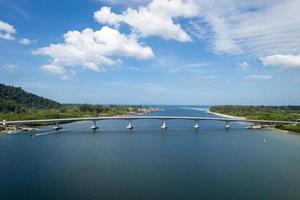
(278, 113)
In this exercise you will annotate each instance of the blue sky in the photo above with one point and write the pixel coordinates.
(153, 52)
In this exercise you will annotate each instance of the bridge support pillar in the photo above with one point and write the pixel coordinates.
(163, 126)
(4, 123)
(33, 133)
(130, 126)
(57, 127)
(17, 126)
(94, 127)
(227, 126)
(196, 126)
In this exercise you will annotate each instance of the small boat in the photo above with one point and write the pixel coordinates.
(196, 126)
(164, 126)
(129, 126)
(94, 127)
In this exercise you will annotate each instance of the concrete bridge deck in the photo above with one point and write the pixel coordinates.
(130, 118)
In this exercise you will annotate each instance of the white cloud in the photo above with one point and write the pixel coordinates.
(259, 77)
(6, 31)
(167, 63)
(285, 61)
(259, 28)
(25, 41)
(155, 19)
(185, 67)
(197, 30)
(269, 30)
(54, 69)
(92, 50)
(244, 65)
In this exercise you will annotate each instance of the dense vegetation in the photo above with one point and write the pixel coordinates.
(15, 99)
(17, 104)
(281, 113)
(292, 128)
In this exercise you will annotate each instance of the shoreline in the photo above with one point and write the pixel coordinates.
(269, 128)
(23, 129)
(223, 115)
(280, 130)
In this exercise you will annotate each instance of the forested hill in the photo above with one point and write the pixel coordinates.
(17, 104)
(15, 99)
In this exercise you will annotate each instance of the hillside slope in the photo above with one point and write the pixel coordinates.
(17, 104)
(15, 99)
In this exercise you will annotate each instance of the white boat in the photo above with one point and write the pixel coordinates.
(196, 126)
(164, 126)
(129, 126)
(94, 127)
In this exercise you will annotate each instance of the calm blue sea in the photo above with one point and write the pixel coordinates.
(148, 163)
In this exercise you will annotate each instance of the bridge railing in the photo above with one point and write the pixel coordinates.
(130, 126)
(63, 120)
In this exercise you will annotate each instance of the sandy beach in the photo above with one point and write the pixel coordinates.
(223, 115)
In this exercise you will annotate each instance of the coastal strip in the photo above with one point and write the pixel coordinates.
(223, 115)
(13, 129)
(284, 113)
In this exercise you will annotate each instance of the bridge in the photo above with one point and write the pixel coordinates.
(94, 120)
